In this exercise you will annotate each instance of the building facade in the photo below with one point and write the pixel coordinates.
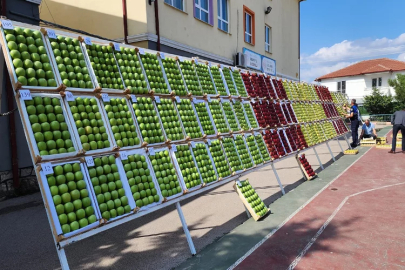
(214, 30)
(358, 80)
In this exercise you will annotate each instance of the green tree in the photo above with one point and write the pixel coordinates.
(399, 87)
(377, 103)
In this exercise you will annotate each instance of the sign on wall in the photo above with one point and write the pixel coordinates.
(260, 62)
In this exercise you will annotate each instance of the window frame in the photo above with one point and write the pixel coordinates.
(344, 87)
(379, 81)
(269, 35)
(171, 3)
(373, 82)
(248, 11)
(200, 9)
(339, 86)
(221, 20)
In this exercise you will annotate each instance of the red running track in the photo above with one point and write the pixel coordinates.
(358, 222)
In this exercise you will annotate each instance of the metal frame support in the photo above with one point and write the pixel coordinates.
(319, 160)
(330, 151)
(347, 141)
(62, 258)
(185, 228)
(247, 212)
(341, 148)
(278, 178)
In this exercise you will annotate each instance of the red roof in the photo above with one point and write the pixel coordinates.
(366, 67)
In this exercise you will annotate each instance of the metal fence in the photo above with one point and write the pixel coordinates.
(380, 117)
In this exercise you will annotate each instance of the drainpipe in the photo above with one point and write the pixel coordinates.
(124, 17)
(157, 24)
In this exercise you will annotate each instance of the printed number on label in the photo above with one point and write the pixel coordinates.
(7, 24)
(69, 96)
(87, 41)
(105, 97)
(89, 161)
(25, 95)
(117, 47)
(51, 33)
(47, 168)
(124, 155)
(133, 98)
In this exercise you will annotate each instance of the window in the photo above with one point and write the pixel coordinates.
(223, 15)
(379, 81)
(267, 41)
(202, 10)
(179, 4)
(249, 25)
(341, 87)
(374, 83)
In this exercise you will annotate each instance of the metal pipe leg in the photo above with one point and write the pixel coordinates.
(341, 148)
(348, 144)
(330, 151)
(319, 160)
(247, 212)
(62, 258)
(278, 179)
(185, 228)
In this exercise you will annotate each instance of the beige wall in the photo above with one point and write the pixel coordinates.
(104, 18)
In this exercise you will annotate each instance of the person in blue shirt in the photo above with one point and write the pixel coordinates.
(354, 122)
(368, 130)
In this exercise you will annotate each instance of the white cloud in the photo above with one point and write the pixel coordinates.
(345, 53)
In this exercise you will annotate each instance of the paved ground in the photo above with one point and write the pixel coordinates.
(155, 241)
(356, 223)
(287, 242)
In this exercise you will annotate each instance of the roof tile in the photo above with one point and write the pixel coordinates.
(366, 67)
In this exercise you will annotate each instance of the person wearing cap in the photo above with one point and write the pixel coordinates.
(368, 130)
(398, 120)
(353, 115)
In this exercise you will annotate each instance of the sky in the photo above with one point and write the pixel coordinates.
(336, 34)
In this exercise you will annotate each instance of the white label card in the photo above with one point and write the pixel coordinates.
(133, 98)
(239, 183)
(162, 56)
(232, 68)
(246, 135)
(87, 41)
(151, 151)
(209, 142)
(253, 102)
(196, 61)
(194, 100)
(157, 99)
(69, 96)
(47, 168)
(181, 59)
(117, 47)
(264, 132)
(123, 155)
(105, 97)
(51, 33)
(222, 66)
(174, 148)
(141, 51)
(89, 161)
(25, 95)
(193, 144)
(178, 99)
(7, 24)
(209, 99)
(257, 133)
(234, 136)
